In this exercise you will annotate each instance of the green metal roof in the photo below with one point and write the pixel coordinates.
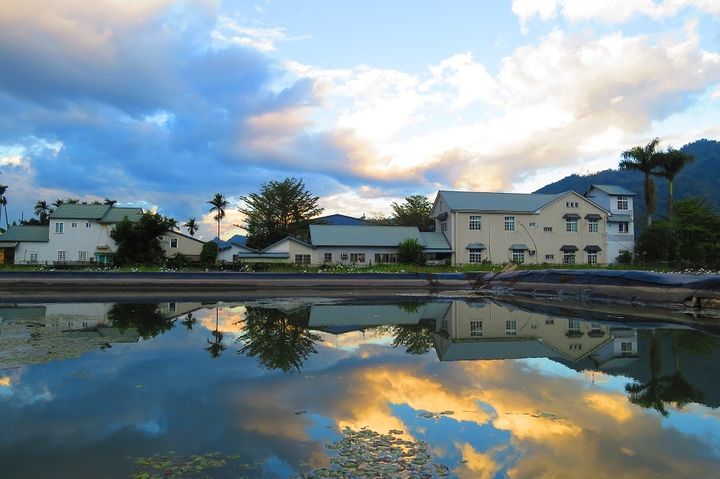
(387, 236)
(30, 233)
(613, 190)
(116, 214)
(435, 241)
(509, 202)
(620, 218)
(78, 211)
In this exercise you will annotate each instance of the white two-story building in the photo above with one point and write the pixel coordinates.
(621, 222)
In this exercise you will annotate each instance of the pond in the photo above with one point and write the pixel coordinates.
(312, 387)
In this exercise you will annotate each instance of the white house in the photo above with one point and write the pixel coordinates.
(621, 223)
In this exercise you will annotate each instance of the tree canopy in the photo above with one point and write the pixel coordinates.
(139, 243)
(646, 160)
(279, 209)
(415, 211)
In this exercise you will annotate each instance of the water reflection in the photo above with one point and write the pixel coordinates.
(494, 389)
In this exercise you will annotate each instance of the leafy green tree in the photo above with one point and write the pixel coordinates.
(416, 338)
(697, 228)
(280, 209)
(208, 254)
(670, 163)
(139, 242)
(191, 226)
(415, 211)
(646, 160)
(72, 201)
(219, 204)
(410, 251)
(278, 339)
(42, 210)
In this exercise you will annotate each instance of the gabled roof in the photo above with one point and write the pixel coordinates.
(101, 213)
(435, 242)
(238, 240)
(30, 233)
(390, 236)
(116, 214)
(612, 190)
(223, 245)
(287, 238)
(186, 236)
(484, 201)
(79, 211)
(338, 220)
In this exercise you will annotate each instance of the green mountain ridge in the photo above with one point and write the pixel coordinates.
(701, 178)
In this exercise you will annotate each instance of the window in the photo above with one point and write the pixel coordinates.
(575, 347)
(357, 257)
(574, 326)
(549, 322)
(593, 226)
(476, 328)
(592, 257)
(327, 258)
(509, 223)
(626, 347)
(624, 227)
(595, 328)
(547, 229)
(572, 204)
(385, 258)
(443, 225)
(82, 255)
(59, 228)
(61, 255)
(475, 223)
(73, 224)
(571, 225)
(302, 259)
(172, 307)
(475, 255)
(568, 257)
(622, 203)
(173, 242)
(549, 256)
(88, 224)
(532, 224)
(33, 257)
(518, 256)
(510, 327)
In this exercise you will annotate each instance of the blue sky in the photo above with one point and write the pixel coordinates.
(162, 104)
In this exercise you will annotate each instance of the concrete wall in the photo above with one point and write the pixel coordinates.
(77, 236)
(187, 246)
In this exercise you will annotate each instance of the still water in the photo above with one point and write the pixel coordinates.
(328, 388)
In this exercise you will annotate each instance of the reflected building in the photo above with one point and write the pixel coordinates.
(39, 333)
(488, 330)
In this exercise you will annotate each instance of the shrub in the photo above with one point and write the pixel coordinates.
(209, 253)
(410, 252)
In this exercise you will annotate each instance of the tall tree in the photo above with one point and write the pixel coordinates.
(42, 210)
(415, 211)
(109, 202)
(139, 243)
(219, 204)
(670, 163)
(3, 204)
(191, 226)
(171, 223)
(644, 159)
(58, 202)
(280, 209)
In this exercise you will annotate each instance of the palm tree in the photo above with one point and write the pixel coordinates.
(109, 202)
(670, 164)
(219, 203)
(58, 202)
(42, 210)
(72, 201)
(216, 345)
(645, 160)
(3, 204)
(191, 226)
(171, 223)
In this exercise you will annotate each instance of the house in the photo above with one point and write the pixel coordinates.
(364, 245)
(621, 224)
(76, 233)
(525, 228)
(174, 243)
(231, 250)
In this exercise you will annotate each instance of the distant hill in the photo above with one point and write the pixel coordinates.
(701, 178)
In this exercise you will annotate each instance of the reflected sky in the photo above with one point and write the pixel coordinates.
(91, 412)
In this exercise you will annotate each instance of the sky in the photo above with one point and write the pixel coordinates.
(161, 104)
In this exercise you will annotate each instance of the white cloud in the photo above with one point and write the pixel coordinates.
(230, 31)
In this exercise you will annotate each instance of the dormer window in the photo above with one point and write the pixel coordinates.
(622, 203)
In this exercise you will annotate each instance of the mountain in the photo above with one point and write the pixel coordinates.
(701, 178)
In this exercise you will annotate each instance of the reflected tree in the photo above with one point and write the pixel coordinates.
(216, 345)
(279, 340)
(650, 394)
(189, 321)
(146, 318)
(416, 338)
